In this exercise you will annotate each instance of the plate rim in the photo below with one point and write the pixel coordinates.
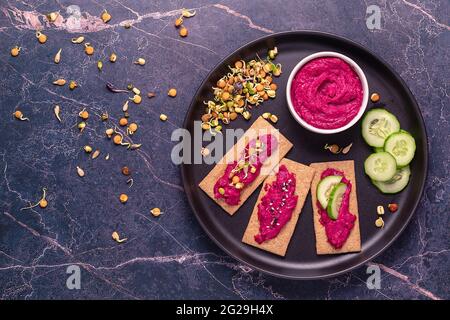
(183, 166)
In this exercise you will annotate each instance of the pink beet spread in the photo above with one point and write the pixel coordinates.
(338, 230)
(252, 158)
(277, 205)
(327, 93)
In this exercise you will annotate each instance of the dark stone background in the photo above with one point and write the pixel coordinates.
(171, 257)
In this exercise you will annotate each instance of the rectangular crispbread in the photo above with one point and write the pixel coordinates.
(259, 127)
(280, 243)
(353, 243)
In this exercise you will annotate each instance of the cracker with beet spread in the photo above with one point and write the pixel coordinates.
(278, 243)
(323, 243)
(259, 129)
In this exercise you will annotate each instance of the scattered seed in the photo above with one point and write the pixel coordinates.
(188, 14)
(126, 171)
(42, 202)
(57, 58)
(107, 157)
(72, 85)
(380, 210)
(135, 146)
(19, 115)
(140, 61)
(347, 149)
(136, 91)
(117, 139)
(274, 118)
(52, 16)
(239, 185)
(178, 22)
(393, 207)
(130, 182)
(162, 117)
(83, 114)
(126, 114)
(87, 149)
(334, 148)
(130, 86)
(132, 128)
(80, 171)
(127, 25)
(42, 38)
(273, 53)
(123, 122)
(221, 191)
(104, 116)
(109, 132)
(88, 49)
(375, 97)
(15, 51)
(105, 16)
(266, 115)
(81, 126)
(113, 57)
(116, 237)
(59, 82)
(95, 154)
(56, 111)
(183, 31)
(156, 212)
(247, 115)
(125, 106)
(172, 92)
(78, 40)
(379, 223)
(137, 99)
(123, 198)
(151, 94)
(205, 152)
(114, 89)
(99, 65)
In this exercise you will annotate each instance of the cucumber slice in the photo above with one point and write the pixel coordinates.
(325, 187)
(401, 146)
(378, 149)
(377, 125)
(380, 166)
(336, 200)
(397, 183)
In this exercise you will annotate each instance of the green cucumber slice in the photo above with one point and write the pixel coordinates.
(401, 146)
(397, 183)
(336, 200)
(380, 166)
(377, 125)
(325, 187)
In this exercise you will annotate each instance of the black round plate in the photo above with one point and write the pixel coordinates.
(301, 260)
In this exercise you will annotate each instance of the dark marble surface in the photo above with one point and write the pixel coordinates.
(171, 257)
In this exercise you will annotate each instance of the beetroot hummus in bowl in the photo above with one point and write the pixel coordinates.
(327, 92)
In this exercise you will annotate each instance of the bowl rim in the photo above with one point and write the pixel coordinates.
(353, 65)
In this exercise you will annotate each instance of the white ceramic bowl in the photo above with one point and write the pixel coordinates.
(355, 67)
